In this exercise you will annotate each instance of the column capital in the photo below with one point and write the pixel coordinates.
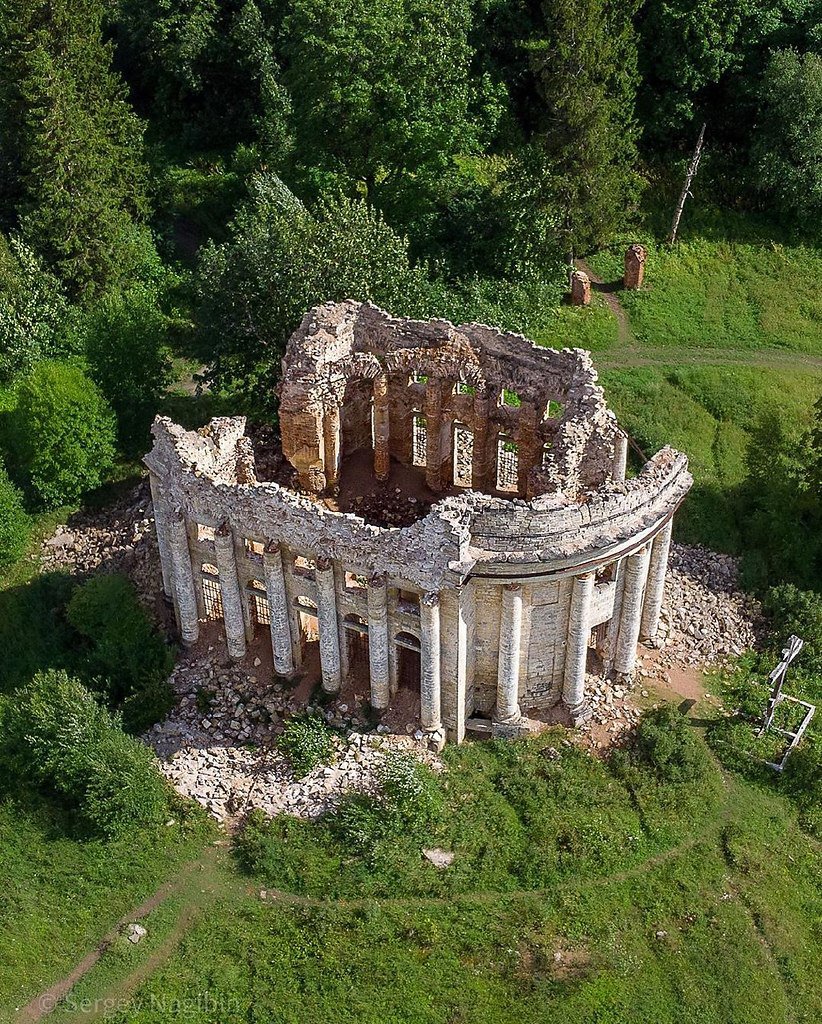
(513, 587)
(324, 564)
(430, 599)
(273, 547)
(378, 579)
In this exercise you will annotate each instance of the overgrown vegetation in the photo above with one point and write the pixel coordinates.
(306, 742)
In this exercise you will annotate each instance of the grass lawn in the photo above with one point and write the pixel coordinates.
(708, 412)
(713, 916)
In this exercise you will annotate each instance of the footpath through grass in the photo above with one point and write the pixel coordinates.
(722, 925)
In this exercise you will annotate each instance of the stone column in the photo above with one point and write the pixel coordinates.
(576, 646)
(161, 529)
(230, 592)
(331, 444)
(620, 463)
(510, 632)
(480, 470)
(382, 458)
(528, 447)
(655, 587)
(433, 434)
(328, 626)
(630, 613)
(580, 289)
(378, 642)
(182, 578)
(281, 644)
(430, 675)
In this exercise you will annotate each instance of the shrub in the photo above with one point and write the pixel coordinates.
(54, 734)
(665, 744)
(14, 523)
(62, 433)
(306, 742)
(799, 612)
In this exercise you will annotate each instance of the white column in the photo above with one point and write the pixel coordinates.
(378, 642)
(655, 588)
(620, 463)
(510, 632)
(430, 675)
(328, 626)
(281, 644)
(161, 529)
(331, 443)
(230, 592)
(182, 577)
(636, 572)
(576, 647)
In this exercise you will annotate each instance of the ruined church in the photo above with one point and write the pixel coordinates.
(524, 557)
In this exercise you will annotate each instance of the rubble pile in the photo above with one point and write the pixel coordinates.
(705, 616)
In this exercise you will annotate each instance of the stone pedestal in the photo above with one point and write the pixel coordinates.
(182, 578)
(328, 626)
(281, 643)
(230, 593)
(576, 648)
(655, 588)
(510, 635)
(580, 289)
(378, 653)
(635, 257)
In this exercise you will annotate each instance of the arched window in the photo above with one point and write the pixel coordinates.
(507, 464)
(408, 640)
(463, 455)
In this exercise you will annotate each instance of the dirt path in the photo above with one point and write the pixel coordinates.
(625, 336)
(187, 880)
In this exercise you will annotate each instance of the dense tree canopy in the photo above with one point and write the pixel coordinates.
(71, 146)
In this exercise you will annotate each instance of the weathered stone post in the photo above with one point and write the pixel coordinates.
(161, 529)
(580, 289)
(576, 648)
(182, 576)
(328, 626)
(636, 572)
(620, 463)
(382, 458)
(331, 443)
(433, 420)
(480, 469)
(378, 654)
(510, 633)
(281, 643)
(430, 675)
(655, 588)
(635, 257)
(230, 592)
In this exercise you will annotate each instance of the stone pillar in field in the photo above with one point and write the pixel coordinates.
(510, 633)
(331, 443)
(182, 579)
(433, 434)
(635, 257)
(281, 643)
(230, 593)
(161, 529)
(328, 626)
(576, 648)
(580, 289)
(630, 613)
(378, 654)
(655, 588)
(382, 460)
(620, 463)
(430, 677)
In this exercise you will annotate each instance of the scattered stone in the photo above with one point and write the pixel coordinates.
(439, 858)
(135, 933)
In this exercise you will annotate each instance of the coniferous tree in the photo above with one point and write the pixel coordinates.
(72, 146)
(583, 151)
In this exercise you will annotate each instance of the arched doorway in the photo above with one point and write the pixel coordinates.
(408, 661)
(356, 648)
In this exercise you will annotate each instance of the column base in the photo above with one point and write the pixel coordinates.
(509, 727)
(436, 739)
(625, 678)
(579, 713)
